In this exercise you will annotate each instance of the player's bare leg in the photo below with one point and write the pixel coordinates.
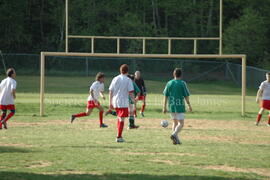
(132, 117)
(179, 124)
(259, 116)
(268, 124)
(101, 111)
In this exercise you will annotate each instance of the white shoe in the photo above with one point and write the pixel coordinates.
(120, 140)
(268, 125)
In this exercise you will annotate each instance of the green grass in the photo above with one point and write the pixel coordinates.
(217, 142)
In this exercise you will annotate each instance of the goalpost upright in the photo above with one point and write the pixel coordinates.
(220, 55)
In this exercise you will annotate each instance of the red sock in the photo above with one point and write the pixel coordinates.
(80, 114)
(9, 116)
(2, 117)
(259, 118)
(268, 119)
(101, 117)
(120, 129)
(143, 107)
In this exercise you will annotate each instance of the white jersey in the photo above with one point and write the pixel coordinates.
(120, 86)
(265, 87)
(97, 87)
(6, 88)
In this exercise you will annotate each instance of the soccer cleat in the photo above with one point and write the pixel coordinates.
(108, 112)
(72, 118)
(268, 125)
(103, 126)
(256, 124)
(142, 114)
(174, 139)
(133, 127)
(178, 141)
(120, 140)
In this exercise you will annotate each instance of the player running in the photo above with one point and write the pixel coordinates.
(7, 96)
(120, 89)
(264, 93)
(96, 90)
(142, 97)
(175, 92)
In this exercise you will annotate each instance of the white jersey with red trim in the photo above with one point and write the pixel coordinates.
(265, 87)
(97, 87)
(120, 86)
(6, 88)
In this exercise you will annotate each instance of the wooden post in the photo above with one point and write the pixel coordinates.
(195, 46)
(118, 45)
(169, 46)
(42, 77)
(66, 26)
(221, 27)
(92, 45)
(143, 45)
(244, 63)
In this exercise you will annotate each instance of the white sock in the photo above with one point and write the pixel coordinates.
(177, 130)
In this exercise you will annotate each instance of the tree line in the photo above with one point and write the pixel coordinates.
(31, 26)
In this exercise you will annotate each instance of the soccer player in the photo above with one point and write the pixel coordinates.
(131, 106)
(120, 89)
(264, 93)
(174, 94)
(140, 83)
(96, 90)
(7, 96)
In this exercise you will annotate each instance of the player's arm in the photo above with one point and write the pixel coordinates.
(14, 93)
(188, 103)
(91, 91)
(110, 100)
(259, 94)
(102, 95)
(165, 102)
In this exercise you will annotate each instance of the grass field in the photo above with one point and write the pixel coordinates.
(217, 142)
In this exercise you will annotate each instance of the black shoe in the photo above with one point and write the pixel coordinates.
(103, 126)
(133, 127)
(72, 118)
(174, 139)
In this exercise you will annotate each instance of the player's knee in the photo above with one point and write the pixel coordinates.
(4, 111)
(13, 111)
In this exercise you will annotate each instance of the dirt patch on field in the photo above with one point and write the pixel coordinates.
(67, 172)
(39, 164)
(16, 145)
(160, 153)
(169, 162)
(259, 171)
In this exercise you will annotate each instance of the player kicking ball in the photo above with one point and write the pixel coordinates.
(174, 94)
(264, 93)
(96, 90)
(121, 89)
(7, 96)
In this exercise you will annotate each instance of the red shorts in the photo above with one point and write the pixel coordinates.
(92, 104)
(7, 107)
(265, 104)
(122, 112)
(141, 98)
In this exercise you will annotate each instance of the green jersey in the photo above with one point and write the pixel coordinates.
(176, 90)
(136, 91)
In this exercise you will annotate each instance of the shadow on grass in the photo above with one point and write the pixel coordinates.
(31, 176)
(10, 149)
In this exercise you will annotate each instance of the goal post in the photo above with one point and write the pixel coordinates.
(115, 55)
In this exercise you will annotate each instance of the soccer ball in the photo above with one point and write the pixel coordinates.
(164, 123)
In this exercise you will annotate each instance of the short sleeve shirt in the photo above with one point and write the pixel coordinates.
(97, 87)
(265, 87)
(176, 91)
(6, 88)
(121, 86)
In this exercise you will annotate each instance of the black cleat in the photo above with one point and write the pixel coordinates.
(72, 118)
(103, 126)
(174, 139)
(5, 124)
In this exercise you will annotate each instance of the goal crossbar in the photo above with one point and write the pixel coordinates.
(43, 56)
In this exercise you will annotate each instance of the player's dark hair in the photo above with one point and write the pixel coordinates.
(99, 76)
(124, 68)
(10, 72)
(177, 72)
(132, 77)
